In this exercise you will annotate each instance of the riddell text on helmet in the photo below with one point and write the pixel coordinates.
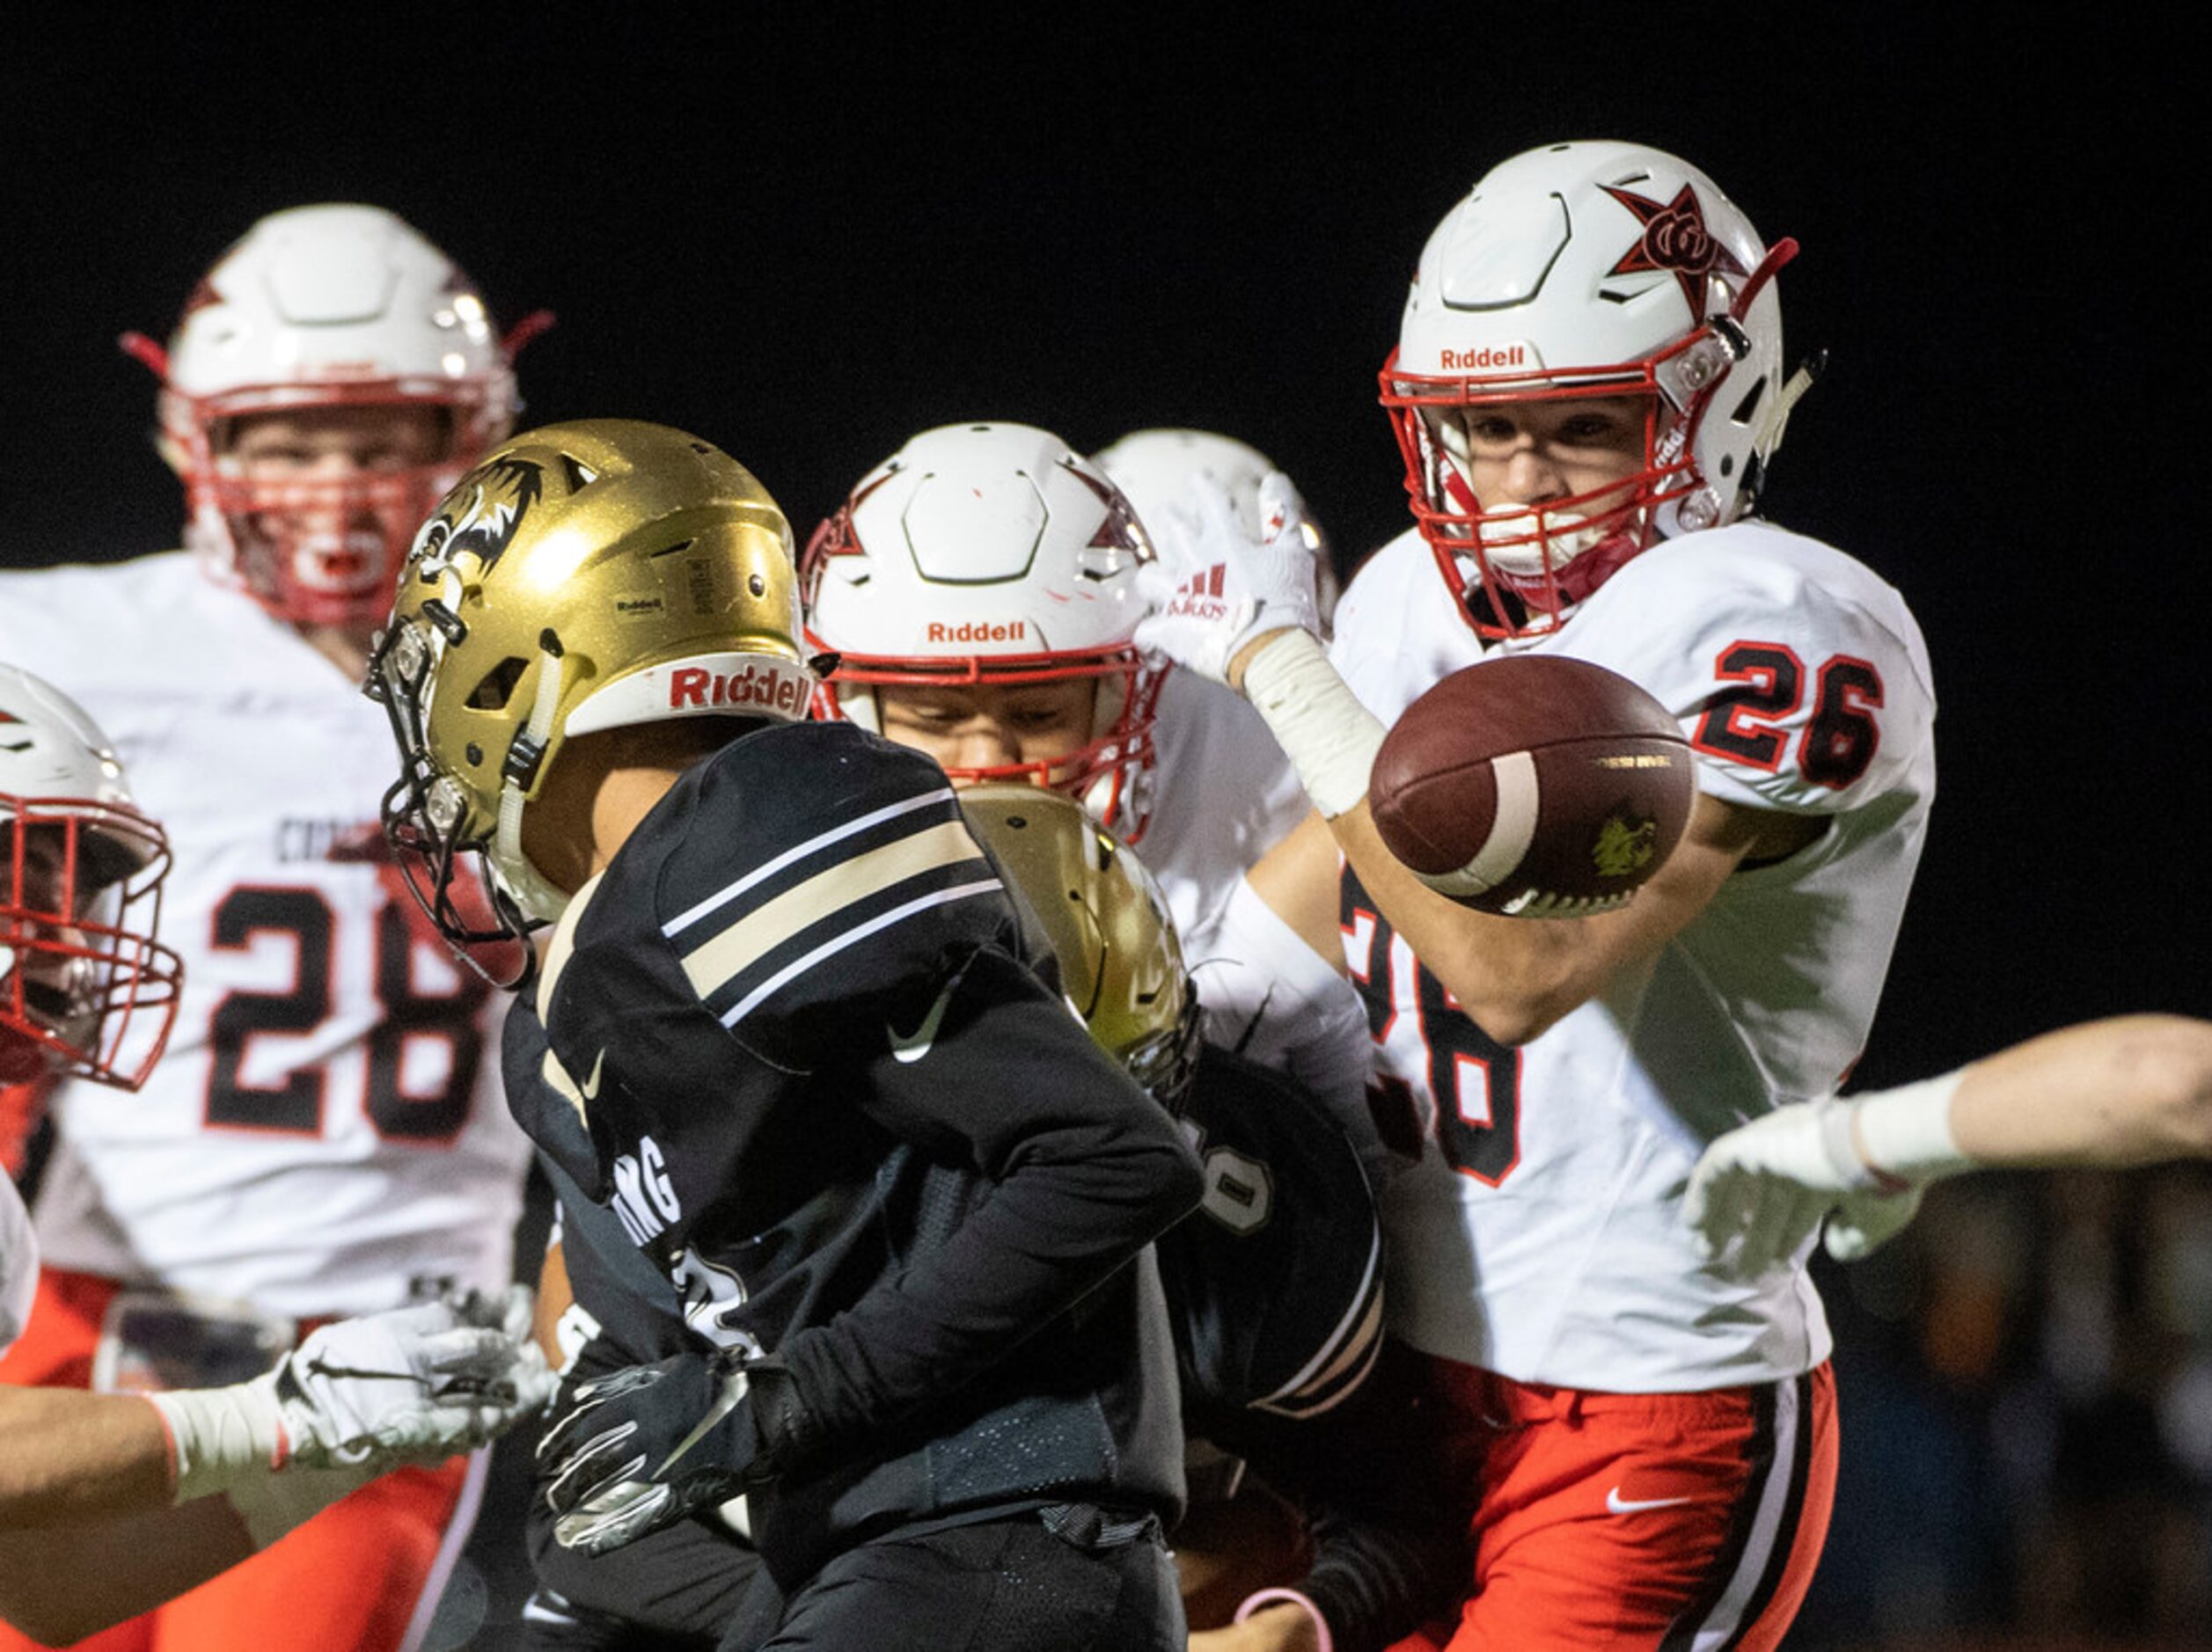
(694, 688)
(978, 631)
(1488, 355)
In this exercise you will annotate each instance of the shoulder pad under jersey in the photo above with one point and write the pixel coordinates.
(1799, 676)
(810, 869)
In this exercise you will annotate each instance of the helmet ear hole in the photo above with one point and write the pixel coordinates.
(496, 687)
(580, 475)
(1747, 408)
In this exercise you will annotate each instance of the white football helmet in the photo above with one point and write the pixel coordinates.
(85, 988)
(1155, 467)
(318, 307)
(994, 553)
(1587, 270)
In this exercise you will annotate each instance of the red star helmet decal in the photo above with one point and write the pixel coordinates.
(1675, 240)
(1114, 531)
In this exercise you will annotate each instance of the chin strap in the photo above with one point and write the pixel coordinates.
(525, 758)
(1791, 393)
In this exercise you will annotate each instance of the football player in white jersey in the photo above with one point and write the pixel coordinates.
(1587, 388)
(87, 989)
(978, 588)
(326, 1133)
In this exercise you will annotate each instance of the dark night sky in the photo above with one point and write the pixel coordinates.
(806, 237)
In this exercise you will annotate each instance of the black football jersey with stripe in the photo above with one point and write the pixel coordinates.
(823, 1091)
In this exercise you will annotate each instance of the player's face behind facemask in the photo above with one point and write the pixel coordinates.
(1576, 272)
(990, 731)
(1552, 491)
(370, 352)
(985, 575)
(321, 502)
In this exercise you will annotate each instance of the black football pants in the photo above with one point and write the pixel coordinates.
(1015, 1584)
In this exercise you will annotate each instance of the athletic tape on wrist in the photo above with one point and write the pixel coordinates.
(219, 1436)
(1854, 1173)
(1906, 1131)
(1329, 737)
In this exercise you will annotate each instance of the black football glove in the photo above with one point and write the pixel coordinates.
(645, 1447)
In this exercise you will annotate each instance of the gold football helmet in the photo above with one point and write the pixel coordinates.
(585, 576)
(1121, 966)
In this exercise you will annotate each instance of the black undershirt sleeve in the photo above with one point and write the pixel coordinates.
(1385, 1507)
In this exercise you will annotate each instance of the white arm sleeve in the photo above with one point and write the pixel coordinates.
(1269, 996)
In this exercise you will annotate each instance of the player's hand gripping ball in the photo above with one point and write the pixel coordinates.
(1534, 785)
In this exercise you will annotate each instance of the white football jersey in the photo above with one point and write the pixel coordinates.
(1223, 796)
(1226, 794)
(326, 1125)
(19, 1265)
(1541, 1233)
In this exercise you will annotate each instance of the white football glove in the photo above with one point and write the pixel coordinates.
(414, 1383)
(411, 1384)
(1760, 1190)
(1215, 588)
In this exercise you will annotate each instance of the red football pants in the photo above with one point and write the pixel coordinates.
(364, 1574)
(1684, 1522)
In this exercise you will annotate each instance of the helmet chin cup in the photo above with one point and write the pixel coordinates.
(1524, 542)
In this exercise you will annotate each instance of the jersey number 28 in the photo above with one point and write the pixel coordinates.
(295, 1106)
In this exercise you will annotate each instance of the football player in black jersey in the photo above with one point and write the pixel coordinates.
(1272, 1286)
(894, 1186)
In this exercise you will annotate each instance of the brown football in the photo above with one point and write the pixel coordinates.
(1534, 785)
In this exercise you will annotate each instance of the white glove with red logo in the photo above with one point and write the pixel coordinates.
(1215, 589)
(412, 1385)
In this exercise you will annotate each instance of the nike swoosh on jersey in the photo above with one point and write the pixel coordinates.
(578, 1096)
(913, 1046)
(1615, 1503)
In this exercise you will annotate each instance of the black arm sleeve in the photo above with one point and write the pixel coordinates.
(1085, 1170)
(1376, 1576)
(1385, 1508)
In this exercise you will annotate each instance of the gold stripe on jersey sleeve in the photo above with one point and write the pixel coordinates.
(744, 943)
(556, 953)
